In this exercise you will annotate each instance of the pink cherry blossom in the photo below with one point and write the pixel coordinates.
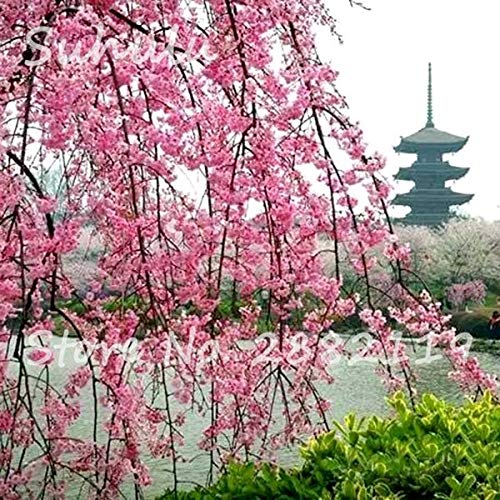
(460, 294)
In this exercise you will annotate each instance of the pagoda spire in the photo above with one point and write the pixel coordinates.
(430, 122)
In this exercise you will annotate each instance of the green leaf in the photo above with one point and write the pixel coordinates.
(349, 489)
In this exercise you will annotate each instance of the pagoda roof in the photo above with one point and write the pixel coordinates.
(430, 136)
(432, 197)
(431, 219)
(419, 170)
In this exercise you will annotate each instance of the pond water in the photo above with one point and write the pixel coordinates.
(356, 388)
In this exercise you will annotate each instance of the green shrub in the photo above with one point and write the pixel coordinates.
(249, 482)
(435, 451)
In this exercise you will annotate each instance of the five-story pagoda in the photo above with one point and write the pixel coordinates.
(430, 200)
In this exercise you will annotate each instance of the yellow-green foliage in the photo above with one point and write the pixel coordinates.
(436, 450)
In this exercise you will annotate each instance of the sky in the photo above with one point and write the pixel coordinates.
(383, 74)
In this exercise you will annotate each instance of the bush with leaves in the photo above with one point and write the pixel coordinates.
(435, 450)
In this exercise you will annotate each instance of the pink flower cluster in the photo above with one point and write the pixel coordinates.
(461, 294)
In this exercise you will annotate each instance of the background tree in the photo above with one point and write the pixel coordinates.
(460, 251)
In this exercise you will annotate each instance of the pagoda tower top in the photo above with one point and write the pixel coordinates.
(429, 136)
